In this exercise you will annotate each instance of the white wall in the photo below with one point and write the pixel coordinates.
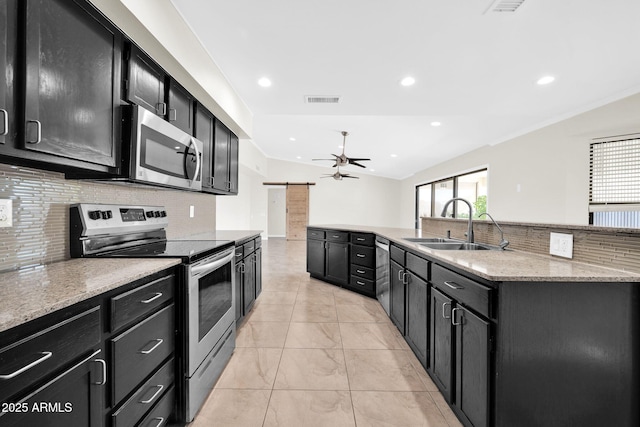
(551, 166)
(277, 212)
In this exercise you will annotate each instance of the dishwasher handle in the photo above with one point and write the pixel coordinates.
(384, 247)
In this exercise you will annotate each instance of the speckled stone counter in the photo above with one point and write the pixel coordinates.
(31, 293)
(237, 236)
(500, 266)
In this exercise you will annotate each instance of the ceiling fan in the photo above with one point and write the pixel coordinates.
(342, 159)
(338, 176)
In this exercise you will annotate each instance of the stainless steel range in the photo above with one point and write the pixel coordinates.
(205, 300)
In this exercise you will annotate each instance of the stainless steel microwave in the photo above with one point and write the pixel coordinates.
(161, 154)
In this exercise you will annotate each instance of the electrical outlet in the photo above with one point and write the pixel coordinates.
(561, 245)
(192, 211)
(6, 213)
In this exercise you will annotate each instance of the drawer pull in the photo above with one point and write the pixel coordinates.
(443, 310)
(359, 239)
(453, 285)
(38, 132)
(361, 255)
(453, 317)
(45, 356)
(152, 398)
(104, 372)
(335, 237)
(160, 421)
(360, 271)
(159, 341)
(360, 283)
(153, 298)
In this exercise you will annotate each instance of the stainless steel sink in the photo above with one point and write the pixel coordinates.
(459, 246)
(427, 239)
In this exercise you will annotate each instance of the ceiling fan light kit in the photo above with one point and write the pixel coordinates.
(342, 160)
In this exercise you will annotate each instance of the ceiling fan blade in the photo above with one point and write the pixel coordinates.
(349, 176)
(332, 160)
(358, 159)
(357, 164)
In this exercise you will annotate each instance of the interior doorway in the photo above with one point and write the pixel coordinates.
(277, 212)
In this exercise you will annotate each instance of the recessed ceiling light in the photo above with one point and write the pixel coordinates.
(341, 146)
(298, 157)
(435, 124)
(264, 82)
(407, 81)
(394, 155)
(292, 139)
(545, 80)
(372, 170)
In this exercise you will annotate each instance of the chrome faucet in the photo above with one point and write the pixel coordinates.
(470, 226)
(503, 243)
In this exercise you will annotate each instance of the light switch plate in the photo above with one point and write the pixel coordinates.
(192, 211)
(561, 244)
(6, 213)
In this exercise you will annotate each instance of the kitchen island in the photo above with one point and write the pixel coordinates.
(513, 338)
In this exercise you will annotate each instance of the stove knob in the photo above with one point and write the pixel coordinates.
(149, 214)
(156, 214)
(94, 215)
(163, 214)
(104, 214)
(109, 215)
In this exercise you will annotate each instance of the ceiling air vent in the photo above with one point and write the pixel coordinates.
(504, 6)
(319, 99)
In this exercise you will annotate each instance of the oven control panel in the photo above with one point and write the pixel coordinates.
(97, 219)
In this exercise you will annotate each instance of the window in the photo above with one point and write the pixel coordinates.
(431, 197)
(614, 182)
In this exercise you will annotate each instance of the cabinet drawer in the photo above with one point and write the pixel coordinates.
(32, 358)
(145, 397)
(418, 266)
(239, 253)
(365, 285)
(363, 255)
(470, 293)
(138, 351)
(258, 242)
(316, 234)
(396, 254)
(160, 414)
(249, 247)
(363, 272)
(337, 236)
(364, 239)
(138, 302)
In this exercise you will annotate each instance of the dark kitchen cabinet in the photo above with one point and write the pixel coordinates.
(8, 39)
(239, 301)
(258, 266)
(363, 264)
(397, 295)
(337, 262)
(225, 160)
(417, 316)
(248, 276)
(315, 252)
(72, 84)
(440, 366)
(204, 131)
(249, 283)
(180, 107)
(145, 84)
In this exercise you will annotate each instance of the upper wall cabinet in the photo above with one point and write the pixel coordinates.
(204, 128)
(149, 86)
(72, 65)
(8, 37)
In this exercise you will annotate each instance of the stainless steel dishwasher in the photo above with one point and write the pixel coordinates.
(382, 272)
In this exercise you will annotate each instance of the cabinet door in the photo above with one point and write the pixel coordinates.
(204, 127)
(8, 34)
(234, 147)
(337, 262)
(146, 82)
(472, 366)
(417, 314)
(72, 88)
(441, 343)
(397, 296)
(315, 257)
(258, 257)
(239, 302)
(249, 284)
(74, 398)
(180, 112)
(221, 157)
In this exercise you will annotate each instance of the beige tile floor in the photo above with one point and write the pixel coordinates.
(312, 354)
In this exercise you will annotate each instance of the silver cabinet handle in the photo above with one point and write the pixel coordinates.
(453, 285)
(38, 132)
(160, 421)
(242, 267)
(335, 237)
(360, 271)
(153, 298)
(359, 239)
(360, 283)
(5, 122)
(405, 278)
(104, 372)
(151, 399)
(159, 341)
(453, 317)
(443, 310)
(173, 114)
(45, 356)
(161, 108)
(400, 275)
(361, 256)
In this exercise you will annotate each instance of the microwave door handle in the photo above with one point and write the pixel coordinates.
(197, 172)
(211, 266)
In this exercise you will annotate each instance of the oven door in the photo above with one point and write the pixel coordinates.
(210, 309)
(163, 154)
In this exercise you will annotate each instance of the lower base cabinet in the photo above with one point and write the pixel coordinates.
(248, 276)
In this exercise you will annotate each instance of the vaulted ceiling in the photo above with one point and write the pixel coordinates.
(475, 71)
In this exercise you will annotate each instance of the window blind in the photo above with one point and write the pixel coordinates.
(614, 176)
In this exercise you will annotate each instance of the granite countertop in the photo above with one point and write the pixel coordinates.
(500, 266)
(34, 292)
(235, 235)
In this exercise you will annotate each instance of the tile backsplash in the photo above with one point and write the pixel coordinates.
(41, 201)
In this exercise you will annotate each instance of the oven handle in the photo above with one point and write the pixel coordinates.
(207, 267)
